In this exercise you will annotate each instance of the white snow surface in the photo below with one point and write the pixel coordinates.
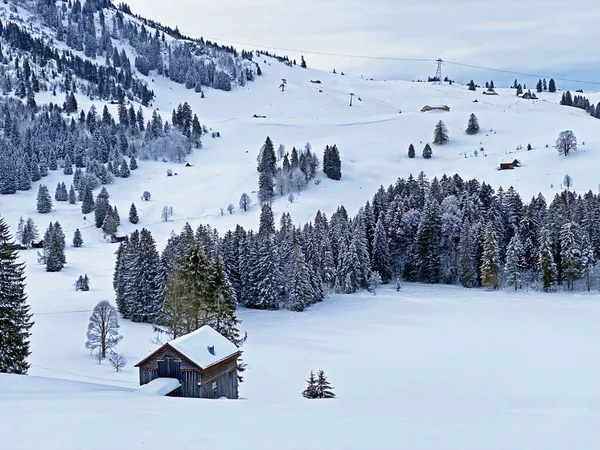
(195, 346)
(429, 367)
(159, 386)
(425, 368)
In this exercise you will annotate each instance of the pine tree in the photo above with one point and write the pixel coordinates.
(429, 237)
(311, 389)
(440, 134)
(15, 318)
(551, 85)
(427, 152)
(473, 125)
(54, 248)
(472, 86)
(72, 195)
(323, 388)
(411, 151)
(44, 201)
(380, 259)
(133, 215)
(514, 265)
(570, 252)
(266, 188)
(301, 293)
(489, 264)
(332, 164)
(87, 205)
(77, 239)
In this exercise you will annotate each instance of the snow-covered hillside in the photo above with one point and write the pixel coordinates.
(426, 367)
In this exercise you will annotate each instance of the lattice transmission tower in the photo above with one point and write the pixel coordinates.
(438, 72)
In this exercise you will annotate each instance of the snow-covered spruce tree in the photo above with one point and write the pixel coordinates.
(311, 389)
(145, 278)
(427, 151)
(72, 195)
(546, 260)
(44, 201)
(266, 276)
(103, 329)
(551, 85)
(429, 238)
(133, 215)
(380, 254)
(472, 125)
(440, 134)
(77, 239)
(513, 267)
(332, 164)
(411, 151)
(301, 292)
(267, 161)
(323, 387)
(87, 205)
(490, 263)
(101, 210)
(109, 226)
(570, 252)
(54, 248)
(472, 86)
(266, 188)
(15, 318)
(27, 231)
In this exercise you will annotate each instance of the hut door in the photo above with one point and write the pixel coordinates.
(169, 368)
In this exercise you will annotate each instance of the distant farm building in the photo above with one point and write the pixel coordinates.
(435, 108)
(509, 165)
(202, 364)
(529, 96)
(490, 91)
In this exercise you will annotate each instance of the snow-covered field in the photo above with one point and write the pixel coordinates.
(426, 367)
(429, 367)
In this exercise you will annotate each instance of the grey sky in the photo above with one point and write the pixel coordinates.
(553, 37)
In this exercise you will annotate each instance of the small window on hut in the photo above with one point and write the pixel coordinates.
(214, 385)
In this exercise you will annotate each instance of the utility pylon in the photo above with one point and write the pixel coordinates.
(351, 95)
(438, 72)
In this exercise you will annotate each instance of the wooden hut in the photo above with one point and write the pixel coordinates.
(509, 165)
(435, 108)
(204, 362)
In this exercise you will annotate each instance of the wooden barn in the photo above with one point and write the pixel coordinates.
(435, 108)
(204, 362)
(509, 165)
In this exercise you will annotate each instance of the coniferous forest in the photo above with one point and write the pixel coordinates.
(446, 230)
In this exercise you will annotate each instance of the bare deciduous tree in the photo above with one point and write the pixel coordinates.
(566, 142)
(117, 360)
(103, 334)
(245, 202)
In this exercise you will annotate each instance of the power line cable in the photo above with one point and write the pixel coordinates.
(394, 58)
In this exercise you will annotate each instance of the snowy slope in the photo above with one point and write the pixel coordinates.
(428, 367)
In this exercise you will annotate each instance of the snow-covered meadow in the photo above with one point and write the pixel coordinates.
(426, 367)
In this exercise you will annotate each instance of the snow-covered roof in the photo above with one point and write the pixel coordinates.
(160, 386)
(204, 347)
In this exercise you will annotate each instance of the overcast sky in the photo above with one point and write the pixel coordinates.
(554, 37)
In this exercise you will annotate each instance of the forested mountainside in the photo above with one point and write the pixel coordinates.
(55, 56)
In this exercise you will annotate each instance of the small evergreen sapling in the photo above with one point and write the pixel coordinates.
(411, 151)
(427, 151)
(133, 215)
(318, 387)
(77, 239)
(440, 134)
(473, 125)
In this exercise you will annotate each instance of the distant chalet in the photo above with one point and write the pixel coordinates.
(509, 165)
(435, 108)
(203, 362)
